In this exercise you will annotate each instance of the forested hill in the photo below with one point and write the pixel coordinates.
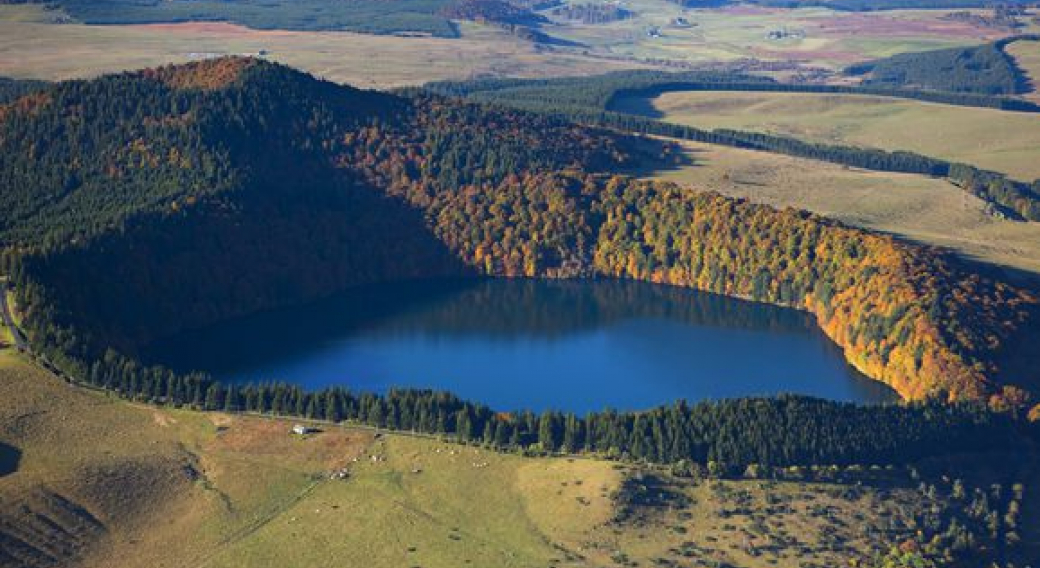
(85, 157)
(189, 194)
(142, 204)
(984, 70)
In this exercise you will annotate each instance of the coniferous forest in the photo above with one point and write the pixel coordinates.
(984, 70)
(188, 195)
(592, 100)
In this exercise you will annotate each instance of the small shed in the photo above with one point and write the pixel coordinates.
(301, 430)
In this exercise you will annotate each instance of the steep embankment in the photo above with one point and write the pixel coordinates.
(103, 482)
(191, 194)
(88, 471)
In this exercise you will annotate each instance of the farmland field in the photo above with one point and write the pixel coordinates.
(991, 139)
(915, 207)
(41, 43)
(816, 36)
(31, 46)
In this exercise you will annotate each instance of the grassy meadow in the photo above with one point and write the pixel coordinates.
(915, 207)
(6, 337)
(425, 503)
(103, 482)
(231, 490)
(1003, 141)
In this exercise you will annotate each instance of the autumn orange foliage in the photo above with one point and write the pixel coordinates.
(905, 314)
(28, 105)
(207, 75)
(1034, 414)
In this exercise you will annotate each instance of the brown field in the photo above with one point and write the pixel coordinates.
(33, 44)
(883, 24)
(30, 46)
(918, 208)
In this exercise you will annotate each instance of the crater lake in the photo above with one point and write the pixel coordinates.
(573, 346)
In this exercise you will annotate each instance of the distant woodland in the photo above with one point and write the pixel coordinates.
(427, 17)
(590, 100)
(873, 5)
(983, 70)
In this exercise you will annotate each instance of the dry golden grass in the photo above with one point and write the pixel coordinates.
(32, 46)
(1003, 141)
(567, 497)
(113, 465)
(921, 209)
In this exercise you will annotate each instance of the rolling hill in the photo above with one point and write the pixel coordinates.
(190, 194)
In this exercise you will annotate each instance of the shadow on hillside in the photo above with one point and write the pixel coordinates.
(10, 457)
(1017, 360)
(287, 245)
(503, 309)
(657, 162)
(637, 103)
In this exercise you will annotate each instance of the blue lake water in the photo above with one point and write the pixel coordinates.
(573, 346)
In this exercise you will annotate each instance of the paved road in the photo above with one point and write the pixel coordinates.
(5, 314)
